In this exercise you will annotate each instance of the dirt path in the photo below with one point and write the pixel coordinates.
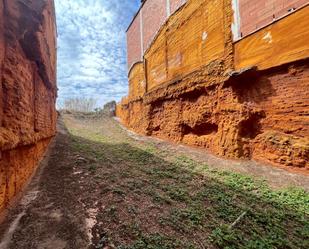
(102, 187)
(51, 214)
(276, 177)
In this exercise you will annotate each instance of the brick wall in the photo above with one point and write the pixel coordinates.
(153, 17)
(192, 38)
(134, 45)
(137, 84)
(257, 14)
(191, 99)
(253, 16)
(271, 46)
(176, 4)
(153, 14)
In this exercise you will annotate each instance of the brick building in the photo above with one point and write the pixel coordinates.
(231, 76)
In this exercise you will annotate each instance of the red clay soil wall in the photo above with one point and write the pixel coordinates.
(27, 91)
(137, 81)
(238, 103)
(259, 115)
(17, 166)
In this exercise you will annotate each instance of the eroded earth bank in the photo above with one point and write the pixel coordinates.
(27, 91)
(104, 187)
(198, 82)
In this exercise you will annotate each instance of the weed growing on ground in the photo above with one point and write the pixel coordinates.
(157, 241)
(157, 203)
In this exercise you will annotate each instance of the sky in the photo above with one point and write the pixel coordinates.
(92, 48)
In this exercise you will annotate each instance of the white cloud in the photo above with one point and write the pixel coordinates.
(92, 49)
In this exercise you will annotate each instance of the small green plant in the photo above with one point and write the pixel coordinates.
(92, 168)
(155, 199)
(224, 237)
(119, 191)
(158, 241)
(161, 199)
(112, 211)
(178, 194)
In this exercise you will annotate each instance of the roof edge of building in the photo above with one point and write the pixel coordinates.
(136, 14)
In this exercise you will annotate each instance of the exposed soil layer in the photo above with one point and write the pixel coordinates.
(27, 90)
(251, 114)
(102, 186)
(16, 168)
(238, 99)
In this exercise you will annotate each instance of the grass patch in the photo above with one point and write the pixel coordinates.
(182, 203)
(157, 241)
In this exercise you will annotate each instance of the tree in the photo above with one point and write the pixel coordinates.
(80, 104)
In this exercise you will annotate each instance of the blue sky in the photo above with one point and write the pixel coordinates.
(92, 48)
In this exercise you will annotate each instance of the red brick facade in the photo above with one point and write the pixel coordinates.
(134, 45)
(154, 15)
(183, 93)
(176, 4)
(257, 14)
(253, 15)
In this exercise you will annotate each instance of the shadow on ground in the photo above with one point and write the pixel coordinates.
(148, 198)
(100, 185)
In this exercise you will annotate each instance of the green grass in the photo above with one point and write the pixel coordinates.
(157, 241)
(195, 205)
